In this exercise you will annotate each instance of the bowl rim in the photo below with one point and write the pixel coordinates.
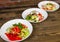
(51, 2)
(35, 8)
(20, 20)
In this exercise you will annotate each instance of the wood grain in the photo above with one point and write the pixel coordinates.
(46, 31)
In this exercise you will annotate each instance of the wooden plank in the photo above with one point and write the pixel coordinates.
(46, 31)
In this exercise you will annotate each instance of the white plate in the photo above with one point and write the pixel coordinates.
(10, 23)
(27, 11)
(45, 2)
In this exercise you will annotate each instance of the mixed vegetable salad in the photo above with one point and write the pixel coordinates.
(17, 32)
(34, 16)
(49, 6)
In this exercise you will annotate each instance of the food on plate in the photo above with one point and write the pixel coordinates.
(34, 16)
(49, 6)
(18, 31)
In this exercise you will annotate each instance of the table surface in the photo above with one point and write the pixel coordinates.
(46, 31)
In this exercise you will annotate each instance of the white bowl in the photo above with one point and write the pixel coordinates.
(43, 13)
(45, 2)
(9, 24)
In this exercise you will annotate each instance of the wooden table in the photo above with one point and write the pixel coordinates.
(46, 31)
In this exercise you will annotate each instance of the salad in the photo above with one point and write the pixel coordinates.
(34, 16)
(49, 6)
(17, 32)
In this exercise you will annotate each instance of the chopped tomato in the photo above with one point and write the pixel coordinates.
(44, 8)
(15, 30)
(13, 37)
(24, 26)
(40, 16)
